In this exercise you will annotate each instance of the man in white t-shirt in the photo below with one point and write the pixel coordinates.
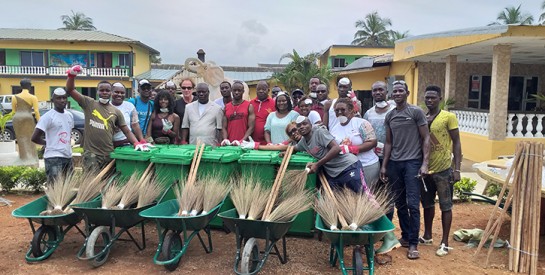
(57, 126)
(129, 114)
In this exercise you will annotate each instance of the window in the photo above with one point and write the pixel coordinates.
(31, 58)
(339, 63)
(124, 60)
(2, 57)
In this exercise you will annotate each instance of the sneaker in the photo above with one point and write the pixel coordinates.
(423, 241)
(443, 250)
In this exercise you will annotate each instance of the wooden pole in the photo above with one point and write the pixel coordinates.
(194, 160)
(538, 166)
(277, 183)
(197, 164)
(519, 205)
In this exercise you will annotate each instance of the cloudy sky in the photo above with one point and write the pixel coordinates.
(239, 32)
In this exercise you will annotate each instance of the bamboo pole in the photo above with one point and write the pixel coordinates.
(519, 204)
(197, 164)
(537, 209)
(276, 184)
(332, 197)
(526, 211)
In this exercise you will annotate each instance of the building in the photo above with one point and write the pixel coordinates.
(45, 55)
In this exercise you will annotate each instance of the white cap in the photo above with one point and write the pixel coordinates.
(308, 101)
(144, 82)
(344, 81)
(118, 84)
(170, 83)
(59, 91)
(300, 119)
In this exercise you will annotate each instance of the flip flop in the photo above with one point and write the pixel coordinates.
(423, 241)
(413, 254)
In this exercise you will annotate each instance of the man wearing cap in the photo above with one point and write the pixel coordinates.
(129, 114)
(202, 119)
(296, 95)
(263, 106)
(143, 104)
(57, 126)
(274, 91)
(239, 118)
(101, 120)
(170, 86)
(225, 91)
(344, 87)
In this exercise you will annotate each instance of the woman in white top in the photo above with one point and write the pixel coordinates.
(356, 136)
(305, 105)
(275, 126)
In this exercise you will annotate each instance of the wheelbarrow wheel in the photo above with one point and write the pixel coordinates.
(172, 244)
(357, 261)
(250, 256)
(98, 240)
(43, 240)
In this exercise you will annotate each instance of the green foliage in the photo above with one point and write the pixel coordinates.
(33, 178)
(77, 150)
(464, 185)
(374, 31)
(3, 120)
(494, 190)
(29, 177)
(512, 15)
(9, 176)
(77, 21)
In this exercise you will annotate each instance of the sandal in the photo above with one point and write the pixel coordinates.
(443, 250)
(413, 254)
(423, 241)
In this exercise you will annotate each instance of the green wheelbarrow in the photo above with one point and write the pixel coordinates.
(366, 238)
(170, 226)
(250, 258)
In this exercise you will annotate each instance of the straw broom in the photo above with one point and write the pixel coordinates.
(149, 192)
(214, 193)
(112, 195)
(241, 195)
(327, 209)
(291, 206)
(258, 201)
(199, 199)
(90, 187)
(294, 182)
(60, 193)
(277, 183)
(363, 208)
(331, 195)
(186, 196)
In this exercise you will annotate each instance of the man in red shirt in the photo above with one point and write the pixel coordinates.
(263, 105)
(238, 119)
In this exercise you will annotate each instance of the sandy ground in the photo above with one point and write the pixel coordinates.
(306, 255)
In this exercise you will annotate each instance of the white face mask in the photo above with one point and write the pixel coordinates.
(342, 119)
(313, 94)
(381, 104)
(164, 110)
(104, 100)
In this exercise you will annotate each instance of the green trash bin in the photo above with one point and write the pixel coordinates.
(172, 164)
(128, 161)
(304, 223)
(261, 165)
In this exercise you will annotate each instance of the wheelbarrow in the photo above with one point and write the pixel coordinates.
(365, 238)
(250, 258)
(170, 226)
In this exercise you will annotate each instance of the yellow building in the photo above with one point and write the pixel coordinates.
(44, 56)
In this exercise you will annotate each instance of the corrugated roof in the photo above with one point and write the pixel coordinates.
(68, 35)
(461, 32)
(247, 76)
(157, 74)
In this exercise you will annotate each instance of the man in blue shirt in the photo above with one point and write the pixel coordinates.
(143, 103)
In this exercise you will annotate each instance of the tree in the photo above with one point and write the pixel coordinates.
(512, 15)
(155, 59)
(77, 21)
(373, 30)
(542, 16)
(395, 35)
(300, 70)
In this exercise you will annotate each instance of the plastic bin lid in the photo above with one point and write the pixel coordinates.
(221, 156)
(301, 159)
(255, 156)
(128, 153)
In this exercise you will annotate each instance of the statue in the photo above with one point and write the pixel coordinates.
(23, 123)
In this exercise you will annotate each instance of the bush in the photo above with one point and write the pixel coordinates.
(464, 185)
(33, 178)
(9, 176)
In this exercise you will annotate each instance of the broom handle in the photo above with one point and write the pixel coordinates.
(277, 183)
(194, 160)
(196, 168)
(146, 173)
(329, 192)
(104, 170)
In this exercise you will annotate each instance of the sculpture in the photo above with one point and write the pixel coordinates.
(23, 123)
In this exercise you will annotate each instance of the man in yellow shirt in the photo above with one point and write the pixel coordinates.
(444, 142)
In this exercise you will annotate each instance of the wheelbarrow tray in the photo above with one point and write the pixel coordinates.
(255, 228)
(103, 217)
(370, 234)
(166, 215)
(33, 209)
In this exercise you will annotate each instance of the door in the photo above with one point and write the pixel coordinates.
(104, 60)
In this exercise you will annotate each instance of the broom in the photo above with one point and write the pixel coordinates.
(186, 195)
(327, 209)
(291, 206)
(89, 188)
(362, 208)
(129, 192)
(149, 192)
(277, 183)
(331, 196)
(294, 182)
(241, 195)
(199, 199)
(258, 201)
(214, 193)
(111, 195)
(60, 193)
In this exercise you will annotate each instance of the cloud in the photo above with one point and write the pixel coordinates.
(253, 26)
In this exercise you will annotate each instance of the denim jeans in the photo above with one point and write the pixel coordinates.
(57, 166)
(406, 187)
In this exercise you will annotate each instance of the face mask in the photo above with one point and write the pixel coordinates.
(342, 119)
(104, 100)
(381, 104)
(313, 94)
(164, 110)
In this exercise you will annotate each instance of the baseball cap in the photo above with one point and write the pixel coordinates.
(144, 82)
(276, 89)
(297, 91)
(344, 81)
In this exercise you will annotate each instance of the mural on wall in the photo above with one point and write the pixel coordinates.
(70, 59)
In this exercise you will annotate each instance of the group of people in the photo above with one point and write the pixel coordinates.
(393, 145)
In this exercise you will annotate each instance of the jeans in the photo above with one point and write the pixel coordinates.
(406, 186)
(56, 166)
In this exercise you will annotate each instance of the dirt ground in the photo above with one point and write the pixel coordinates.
(306, 255)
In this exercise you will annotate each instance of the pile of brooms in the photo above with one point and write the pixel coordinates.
(280, 203)
(349, 209)
(525, 197)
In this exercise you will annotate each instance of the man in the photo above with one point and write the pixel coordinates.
(263, 106)
(225, 91)
(239, 119)
(312, 86)
(274, 91)
(344, 87)
(296, 95)
(56, 125)
(170, 86)
(143, 103)
(322, 98)
(186, 86)
(406, 152)
(101, 120)
(444, 141)
(202, 119)
(129, 114)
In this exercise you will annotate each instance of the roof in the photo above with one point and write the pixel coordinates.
(242, 73)
(68, 35)
(157, 74)
(367, 62)
(247, 76)
(495, 29)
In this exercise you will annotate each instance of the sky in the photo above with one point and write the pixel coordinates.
(245, 32)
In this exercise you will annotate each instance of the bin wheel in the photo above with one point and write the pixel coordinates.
(172, 244)
(97, 241)
(43, 240)
(250, 256)
(357, 261)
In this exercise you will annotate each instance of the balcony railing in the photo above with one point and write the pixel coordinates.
(529, 125)
(61, 71)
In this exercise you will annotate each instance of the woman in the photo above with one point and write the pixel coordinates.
(356, 135)
(164, 124)
(305, 105)
(277, 121)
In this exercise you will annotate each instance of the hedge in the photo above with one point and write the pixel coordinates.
(27, 177)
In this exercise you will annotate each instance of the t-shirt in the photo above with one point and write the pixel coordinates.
(441, 142)
(314, 117)
(317, 147)
(101, 120)
(277, 126)
(262, 109)
(404, 126)
(57, 128)
(333, 117)
(377, 120)
(355, 132)
(179, 108)
(220, 102)
(237, 120)
(144, 111)
(130, 115)
(203, 126)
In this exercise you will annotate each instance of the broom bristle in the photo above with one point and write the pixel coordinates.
(149, 192)
(199, 199)
(60, 193)
(258, 201)
(327, 209)
(178, 192)
(130, 192)
(214, 193)
(294, 182)
(291, 206)
(111, 195)
(186, 198)
(89, 187)
(241, 195)
(362, 208)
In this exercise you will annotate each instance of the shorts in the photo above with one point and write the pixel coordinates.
(441, 183)
(351, 177)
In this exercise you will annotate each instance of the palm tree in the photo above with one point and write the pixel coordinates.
(77, 21)
(512, 15)
(300, 70)
(542, 16)
(395, 35)
(373, 30)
